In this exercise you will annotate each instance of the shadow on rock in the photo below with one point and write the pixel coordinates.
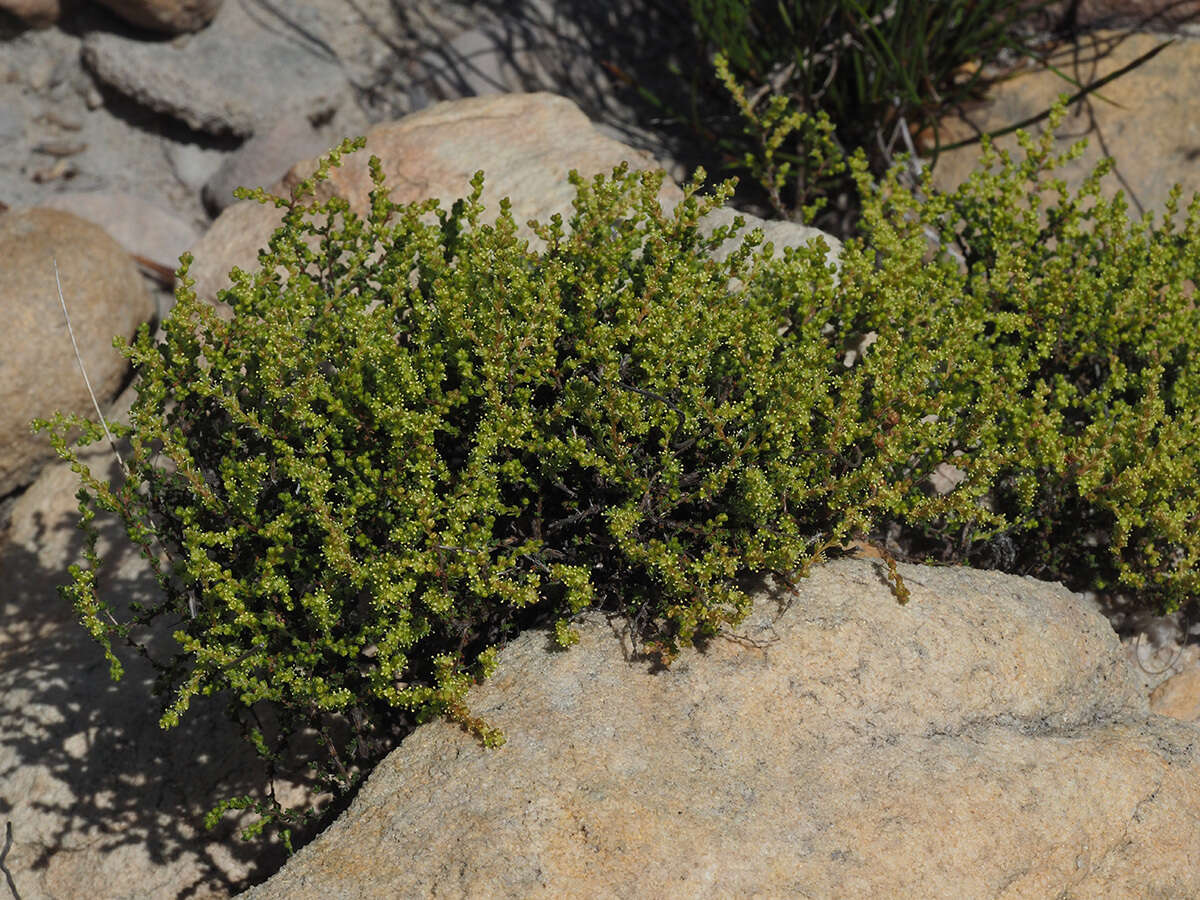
(102, 802)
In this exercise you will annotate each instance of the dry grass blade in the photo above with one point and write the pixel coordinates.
(87, 381)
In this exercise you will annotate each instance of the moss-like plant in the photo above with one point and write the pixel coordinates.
(418, 434)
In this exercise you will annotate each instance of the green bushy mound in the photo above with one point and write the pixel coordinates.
(417, 434)
(1091, 334)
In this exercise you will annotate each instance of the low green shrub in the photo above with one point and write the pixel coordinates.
(419, 434)
(423, 435)
(1094, 332)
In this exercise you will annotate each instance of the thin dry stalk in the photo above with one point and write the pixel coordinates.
(87, 381)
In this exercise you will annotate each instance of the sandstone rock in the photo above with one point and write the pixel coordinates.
(171, 16)
(36, 13)
(1179, 696)
(235, 76)
(1151, 127)
(38, 370)
(102, 802)
(144, 229)
(525, 143)
(983, 740)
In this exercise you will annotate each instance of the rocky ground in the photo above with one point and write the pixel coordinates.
(96, 105)
(146, 133)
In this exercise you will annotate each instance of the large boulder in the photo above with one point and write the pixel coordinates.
(526, 144)
(984, 740)
(235, 77)
(38, 370)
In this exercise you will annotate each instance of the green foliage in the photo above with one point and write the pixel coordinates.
(865, 62)
(419, 434)
(817, 169)
(416, 434)
(1092, 330)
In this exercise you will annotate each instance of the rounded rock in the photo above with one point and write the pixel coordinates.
(170, 16)
(34, 13)
(38, 370)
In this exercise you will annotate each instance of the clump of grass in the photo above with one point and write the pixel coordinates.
(878, 70)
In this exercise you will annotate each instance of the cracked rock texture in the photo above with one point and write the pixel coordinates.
(984, 740)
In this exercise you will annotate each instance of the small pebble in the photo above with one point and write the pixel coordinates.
(61, 148)
(40, 74)
(63, 169)
(51, 117)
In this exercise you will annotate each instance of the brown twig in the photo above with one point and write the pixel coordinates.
(8, 840)
(1078, 95)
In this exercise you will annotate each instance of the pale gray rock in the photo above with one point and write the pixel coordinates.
(778, 233)
(143, 228)
(496, 58)
(119, 148)
(983, 740)
(170, 16)
(234, 77)
(194, 164)
(265, 158)
(945, 477)
(526, 144)
(44, 74)
(12, 124)
(38, 371)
